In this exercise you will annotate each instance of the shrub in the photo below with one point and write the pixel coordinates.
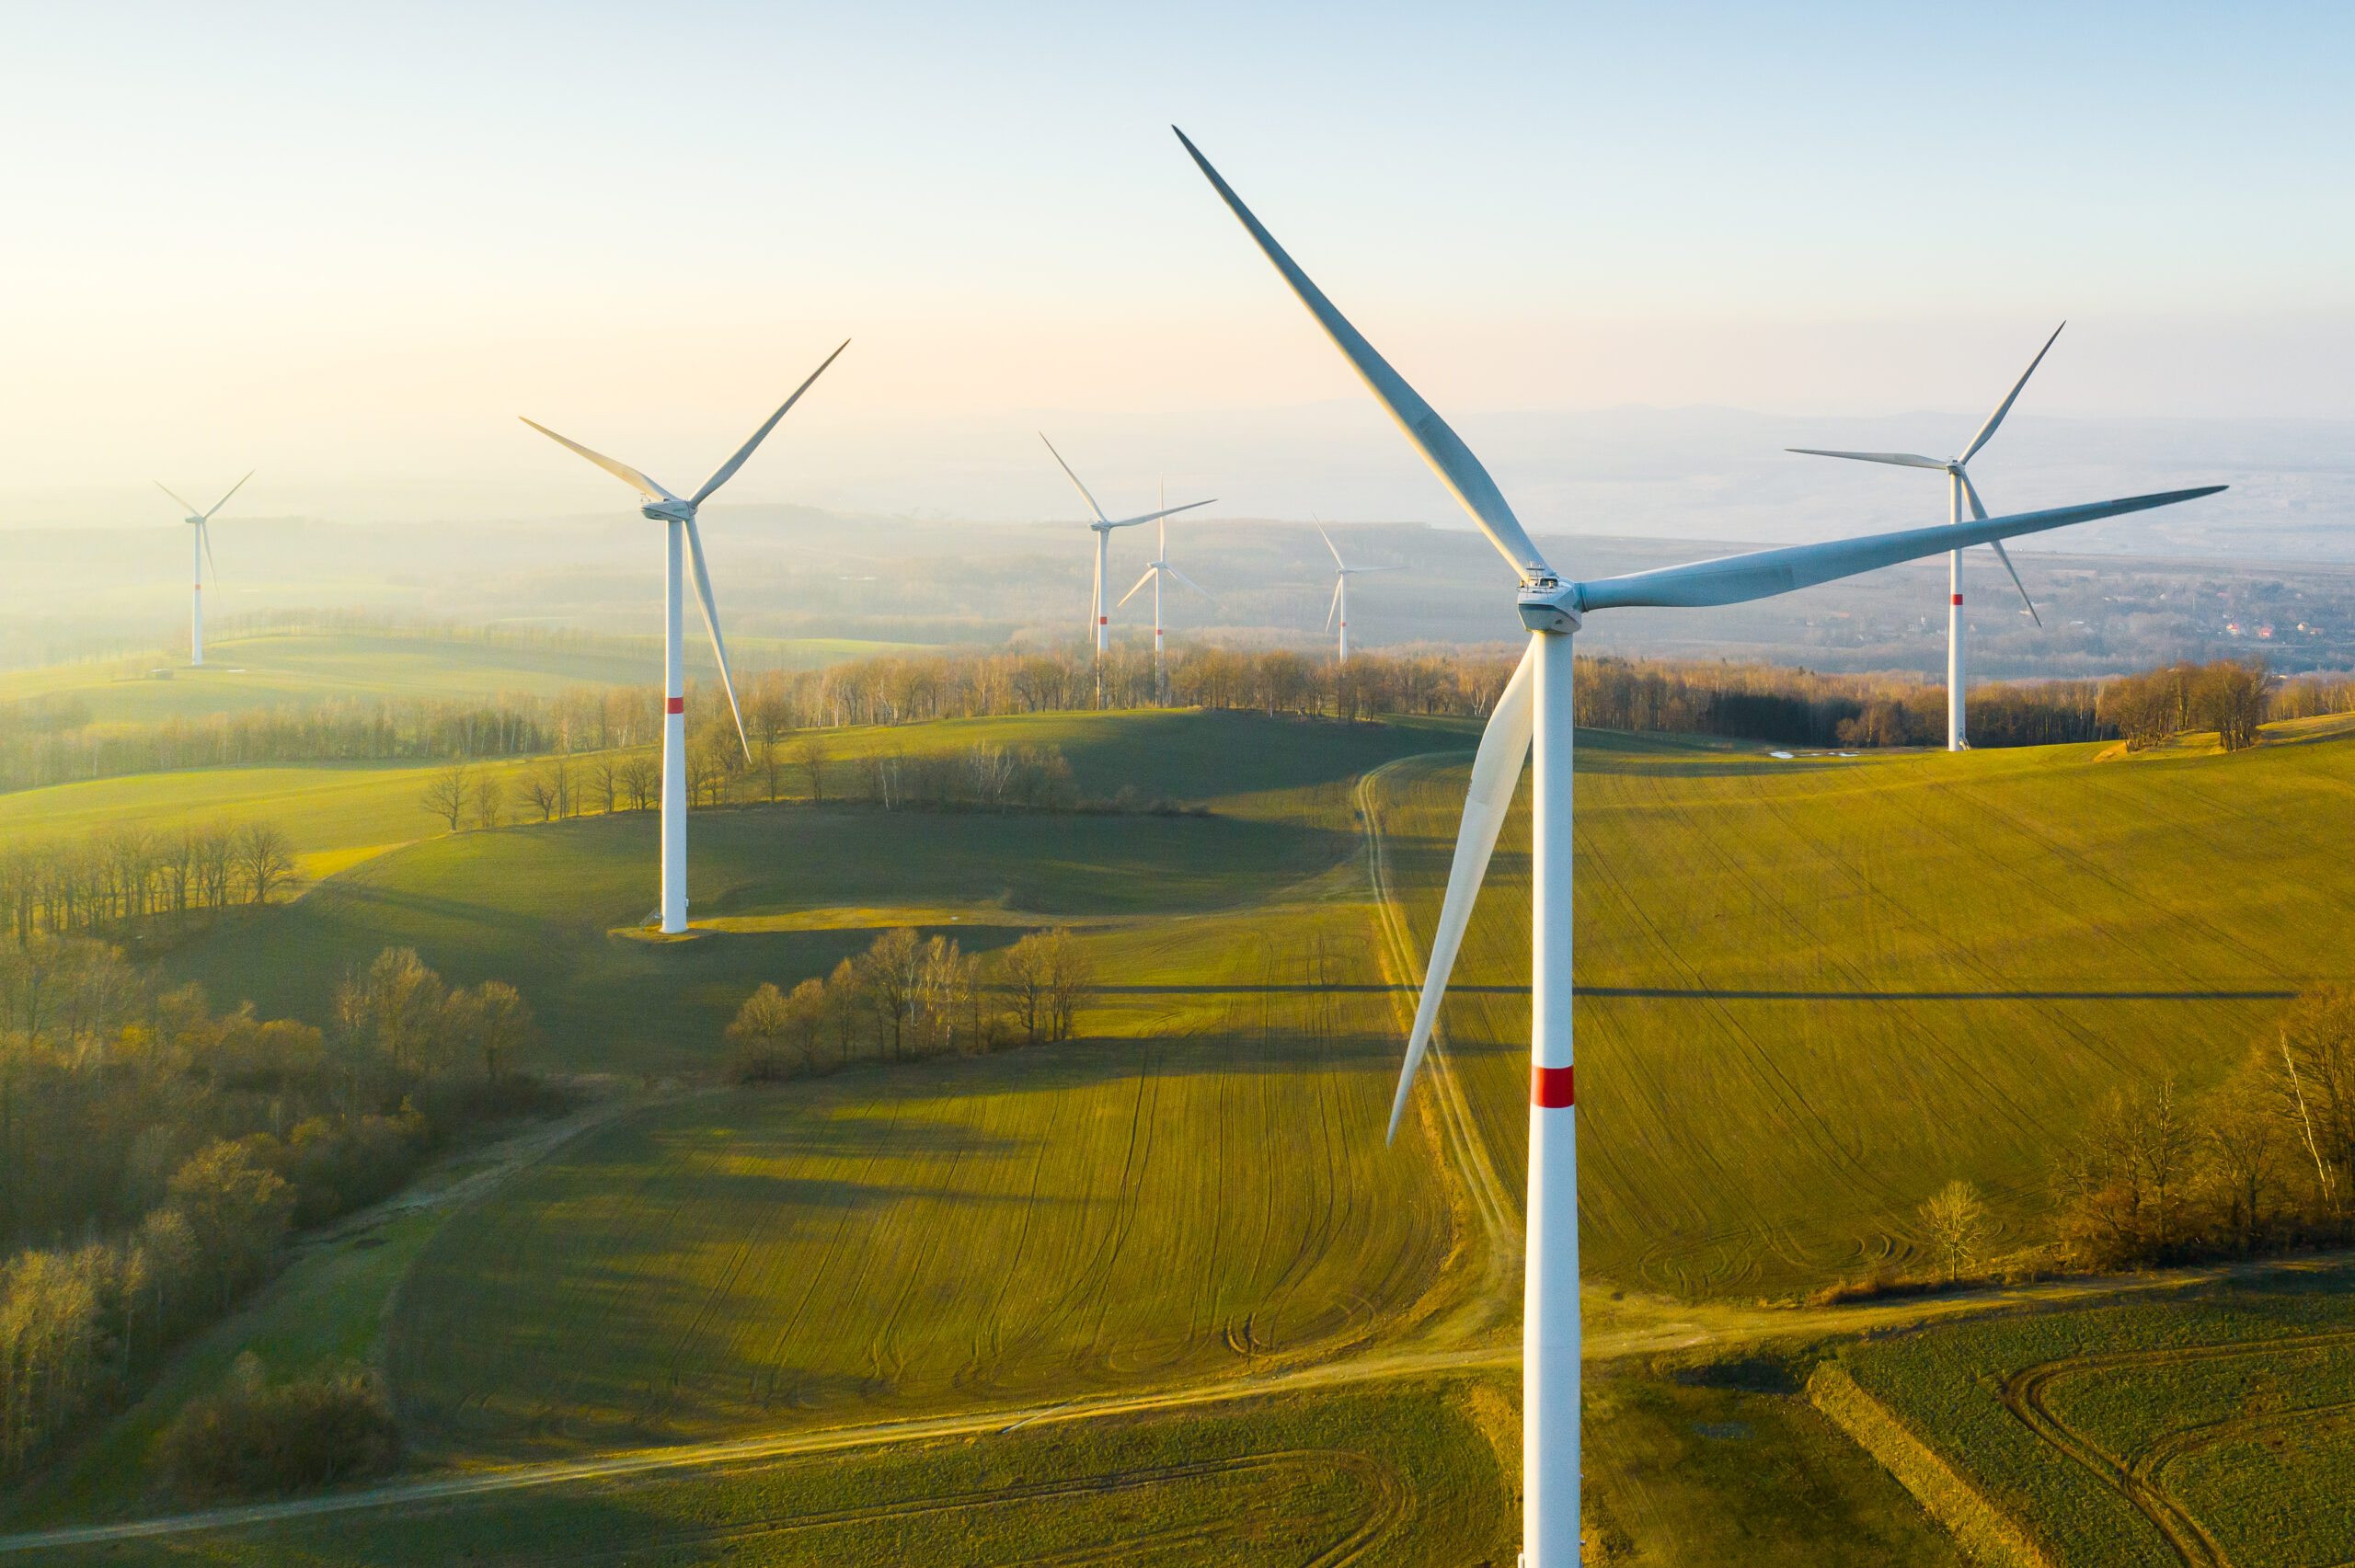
(254, 1439)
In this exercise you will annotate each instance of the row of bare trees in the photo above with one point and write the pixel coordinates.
(2263, 1161)
(908, 998)
(154, 1152)
(2227, 696)
(127, 873)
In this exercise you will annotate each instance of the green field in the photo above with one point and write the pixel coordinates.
(1703, 1475)
(2215, 1427)
(1044, 1224)
(1812, 990)
(791, 891)
(1941, 957)
(292, 669)
(334, 814)
(1399, 1475)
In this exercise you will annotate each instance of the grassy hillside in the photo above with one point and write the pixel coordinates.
(334, 814)
(1040, 1225)
(278, 668)
(788, 892)
(1814, 991)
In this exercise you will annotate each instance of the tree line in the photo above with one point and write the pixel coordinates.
(126, 874)
(908, 998)
(51, 740)
(2263, 1162)
(155, 1153)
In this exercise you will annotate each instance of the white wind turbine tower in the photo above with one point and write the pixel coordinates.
(1154, 573)
(1536, 708)
(1342, 573)
(1104, 526)
(1960, 490)
(200, 552)
(678, 517)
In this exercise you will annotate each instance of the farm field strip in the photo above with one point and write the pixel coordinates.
(272, 670)
(1812, 991)
(1188, 1201)
(2139, 1472)
(2211, 1426)
(1396, 1367)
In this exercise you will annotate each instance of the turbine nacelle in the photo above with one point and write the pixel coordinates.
(1550, 604)
(667, 511)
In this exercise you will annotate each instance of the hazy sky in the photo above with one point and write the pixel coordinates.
(349, 245)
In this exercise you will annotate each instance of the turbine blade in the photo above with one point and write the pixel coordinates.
(2006, 556)
(711, 624)
(1761, 574)
(1075, 479)
(1190, 582)
(1495, 769)
(1441, 447)
(1329, 544)
(2005, 407)
(1134, 591)
(1902, 459)
(1335, 609)
(233, 490)
(728, 469)
(1151, 516)
(205, 533)
(169, 491)
(621, 471)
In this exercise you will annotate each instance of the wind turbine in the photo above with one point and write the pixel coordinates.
(1959, 490)
(678, 517)
(200, 552)
(1159, 568)
(1342, 573)
(1536, 708)
(1103, 526)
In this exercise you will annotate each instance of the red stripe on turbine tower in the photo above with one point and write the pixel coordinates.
(675, 705)
(1549, 1087)
(1958, 599)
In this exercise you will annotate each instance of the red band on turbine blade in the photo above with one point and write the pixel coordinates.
(1549, 1088)
(675, 705)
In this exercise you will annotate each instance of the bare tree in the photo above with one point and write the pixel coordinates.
(448, 791)
(1024, 967)
(759, 1032)
(889, 975)
(809, 750)
(541, 791)
(641, 778)
(2244, 1151)
(263, 859)
(503, 1026)
(1956, 1218)
(605, 781)
(489, 801)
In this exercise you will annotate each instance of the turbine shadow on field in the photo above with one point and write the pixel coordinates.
(843, 1133)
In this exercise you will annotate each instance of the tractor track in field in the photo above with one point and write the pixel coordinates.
(1386, 1506)
(1456, 1127)
(741, 1451)
(2138, 1477)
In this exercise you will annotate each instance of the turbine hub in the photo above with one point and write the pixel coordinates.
(1549, 604)
(667, 511)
